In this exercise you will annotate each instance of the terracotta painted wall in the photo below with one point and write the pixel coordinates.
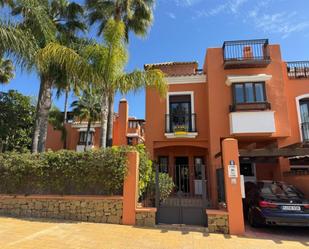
(294, 88)
(300, 181)
(220, 98)
(156, 111)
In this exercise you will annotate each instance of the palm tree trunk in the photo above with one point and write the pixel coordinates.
(45, 105)
(66, 98)
(104, 117)
(36, 131)
(87, 134)
(110, 121)
(65, 118)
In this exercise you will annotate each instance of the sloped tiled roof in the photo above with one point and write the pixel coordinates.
(172, 63)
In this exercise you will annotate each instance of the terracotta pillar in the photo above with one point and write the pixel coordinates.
(282, 166)
(123, 113)
(130, 189)
(230, 156)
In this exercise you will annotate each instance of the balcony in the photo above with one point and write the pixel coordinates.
(180, 125)
(252, 122)
(246, 54)
(305, 131)
(298, 69)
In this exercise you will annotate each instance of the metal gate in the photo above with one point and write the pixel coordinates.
(183, 205)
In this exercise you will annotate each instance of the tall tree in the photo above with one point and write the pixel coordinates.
(137, 17)
(47, 21)
(108, 61)
(88, 107)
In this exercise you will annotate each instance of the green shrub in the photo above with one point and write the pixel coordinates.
(64, 172)
(145, 168)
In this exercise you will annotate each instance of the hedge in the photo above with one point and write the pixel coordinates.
(96, 172)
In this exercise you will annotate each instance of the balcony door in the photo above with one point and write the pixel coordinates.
(304, 115)
(180, 113)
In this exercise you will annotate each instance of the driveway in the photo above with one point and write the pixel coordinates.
(40, 234)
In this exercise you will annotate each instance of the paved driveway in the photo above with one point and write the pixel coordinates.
(40, 234)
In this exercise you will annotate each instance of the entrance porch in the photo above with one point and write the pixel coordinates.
(185, 164)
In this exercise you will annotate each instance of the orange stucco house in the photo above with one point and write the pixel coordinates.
(245, 90)
(126, 131)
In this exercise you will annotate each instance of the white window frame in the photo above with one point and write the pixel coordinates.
(191, 93)
(297, 100)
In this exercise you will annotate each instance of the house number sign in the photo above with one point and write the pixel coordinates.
(232, 170)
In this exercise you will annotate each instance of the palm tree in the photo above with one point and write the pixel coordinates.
(6, 70)
(108, 61)
(55, 118)
(48, 21)
(137, 17)
(88, 107)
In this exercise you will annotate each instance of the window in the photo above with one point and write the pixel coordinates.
(130, 140)
(82, 138)
(249, 93)
(133, 124)
(247, 169)
(163, 164)
(180, 115)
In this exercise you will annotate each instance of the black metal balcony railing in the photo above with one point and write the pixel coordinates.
(298, 69)
(178, 123)
(305, 131)
(246, 54)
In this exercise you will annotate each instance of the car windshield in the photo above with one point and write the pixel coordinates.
(278, 189)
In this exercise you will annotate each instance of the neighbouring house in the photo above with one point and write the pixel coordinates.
(245, 90)
(126, 131)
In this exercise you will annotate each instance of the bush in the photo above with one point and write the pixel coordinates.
(145, 168)
(64, 172)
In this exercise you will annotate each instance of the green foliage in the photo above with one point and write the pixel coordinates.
(99, 172)
(166, 185)
(16, 121)
(145, 168)
(6, 70)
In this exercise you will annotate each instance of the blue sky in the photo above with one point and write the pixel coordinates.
(184, 29)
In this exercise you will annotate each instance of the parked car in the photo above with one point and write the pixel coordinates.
(275, 203)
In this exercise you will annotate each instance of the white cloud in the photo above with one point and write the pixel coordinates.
(231, 6)
(187, 2)
(262, 15)
(171, 15)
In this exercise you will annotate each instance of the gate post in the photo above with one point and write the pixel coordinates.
(130, 189)
(230, 158)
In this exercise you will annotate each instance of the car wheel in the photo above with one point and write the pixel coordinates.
(251, 219)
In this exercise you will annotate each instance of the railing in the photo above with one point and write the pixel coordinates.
(298, 69)
(180, 123)
(246, 54)
(305, 131)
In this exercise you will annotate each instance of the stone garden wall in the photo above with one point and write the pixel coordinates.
(218, 221)
(76, 208)
(145, 217)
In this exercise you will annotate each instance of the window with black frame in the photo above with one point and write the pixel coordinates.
(83, 138)
(180, 113)
(246, 93)
(163, 164)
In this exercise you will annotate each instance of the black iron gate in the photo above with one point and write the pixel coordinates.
(183, 205)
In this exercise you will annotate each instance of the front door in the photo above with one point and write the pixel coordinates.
(182, 179)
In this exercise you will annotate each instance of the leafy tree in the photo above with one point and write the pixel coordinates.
(46, 22)
(108, 61)
(6, 70)
(137, 17)
(88, 107)
(16, 121)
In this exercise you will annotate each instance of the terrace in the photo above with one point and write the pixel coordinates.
(298, 69)
(246, 54)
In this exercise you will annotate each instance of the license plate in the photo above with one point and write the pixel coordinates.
(291, 208)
